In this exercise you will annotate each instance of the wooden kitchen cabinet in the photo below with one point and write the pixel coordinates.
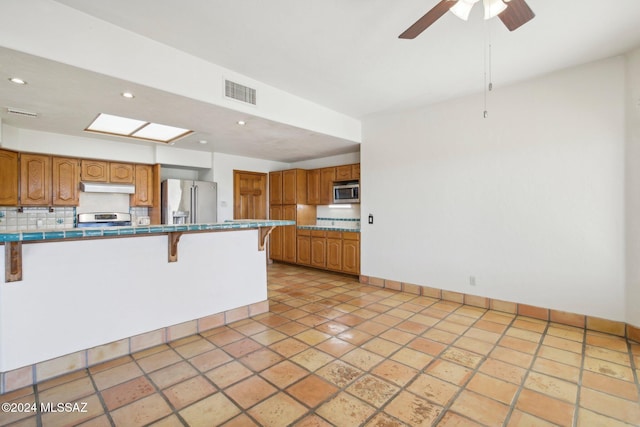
(351, 252)
(348, 172)
(313, 187)
(65, 180)
(275, 238)
(318, 249)
(327, 176)
(304, 247)
(9, 176)
(289, 234)
(121, 173)
(35, 180)
(144, 181)
(334, 251)
(94, 170)
(275, 188)
(294, 187)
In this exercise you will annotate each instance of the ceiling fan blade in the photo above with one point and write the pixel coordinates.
(516, 14)
(429, 18)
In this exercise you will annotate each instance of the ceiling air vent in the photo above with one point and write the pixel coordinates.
(21, 112)
(239, 92)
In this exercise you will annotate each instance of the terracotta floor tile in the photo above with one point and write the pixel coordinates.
(608, 355)
(563, 344)
(141, 412)
(451, 419)
(611, 406)
(250, 391)
(396, 372)
(462, 357)
(494, 388)
(125, 393)
(480, 408)
(159, 360)
(194, 348)
(117, 375)
(227, 374)
(524, 334)
(398, 336)
(345, 410)
(561, 356)
(450, 372)
(454, 328)
(332, 328)
(522, 419)
(241, 347)
(567, 332)
(433, 389)
(92, 410)
(212, 411)
(551, 386)
(284, 374)
(519, 344)
(587, 418)
(613, 386)
(9, 417)
(529, 325)
(355, 336)
(556, 369)
(289, 347)
(312, 390)
(461, 320)
(68, 392)
(241, 420)
(373, 390)
(312, 336)
(427, 346)
(503, 370)
(189, 391)
(269, 337)
(413, 410)
(608, 368)
(261, 359)
(607, 341)
(440, 336)
(339, 373)
(312, 421)
(101, 421)
(173, 374)
(362, 359)
(492, 327)
(384, 420)
(312, 359)
(209, 360)
(335, 347)
(498, 317)
(511, 356)
(474, 345)
(545, 407)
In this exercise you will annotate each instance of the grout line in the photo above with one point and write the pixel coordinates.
(580, 375)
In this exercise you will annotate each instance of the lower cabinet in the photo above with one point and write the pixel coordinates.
(329, 250)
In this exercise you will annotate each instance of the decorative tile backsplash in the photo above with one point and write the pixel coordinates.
(36, 218)
(41, 218)
(338, 222)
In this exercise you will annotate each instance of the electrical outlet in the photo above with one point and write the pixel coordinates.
(472, 280)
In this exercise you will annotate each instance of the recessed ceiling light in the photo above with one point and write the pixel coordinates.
(128, 95)
(202, 141)
(242, 122)
(17, 81)
(122, 126)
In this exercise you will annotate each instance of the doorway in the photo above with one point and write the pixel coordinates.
(249, 195)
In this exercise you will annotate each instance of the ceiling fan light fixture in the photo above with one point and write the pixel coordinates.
(493, 8)
(462, 8)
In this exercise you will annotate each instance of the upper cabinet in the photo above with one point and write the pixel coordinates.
(102, 171)
(320, 182)
(9, 175)
(65, 177)
(144, 186)
(313, 187)
(288, 187)
(35, 180)
(327, 176)
(348, 172)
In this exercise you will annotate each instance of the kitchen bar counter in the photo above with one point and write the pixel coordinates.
(90, 295)
(82, 233)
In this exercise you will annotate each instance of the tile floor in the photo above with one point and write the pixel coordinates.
(332, 352)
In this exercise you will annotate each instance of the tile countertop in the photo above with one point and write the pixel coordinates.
(80, 233)
(329, 228)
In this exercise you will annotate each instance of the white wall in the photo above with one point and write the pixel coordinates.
(341, 159)
(529, 201)
(633, 188)
(223, 167)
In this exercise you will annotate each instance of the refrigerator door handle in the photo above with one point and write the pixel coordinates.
(191, 198)
(194, 211)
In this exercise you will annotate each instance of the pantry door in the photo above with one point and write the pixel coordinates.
(249, 195)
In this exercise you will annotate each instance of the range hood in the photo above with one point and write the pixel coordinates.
(101, 187)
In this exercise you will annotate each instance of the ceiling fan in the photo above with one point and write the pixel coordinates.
(512, 13)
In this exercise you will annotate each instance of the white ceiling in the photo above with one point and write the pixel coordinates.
(344, 55)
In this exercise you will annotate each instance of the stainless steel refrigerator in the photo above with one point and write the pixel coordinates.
(189, 202)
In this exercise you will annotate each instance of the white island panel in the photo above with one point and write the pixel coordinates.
(80, 294)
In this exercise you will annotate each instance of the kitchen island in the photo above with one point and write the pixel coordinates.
(84, 296)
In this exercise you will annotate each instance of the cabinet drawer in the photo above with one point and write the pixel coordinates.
(349, 235)
(303, 232)
(318, 233)
(334, 235)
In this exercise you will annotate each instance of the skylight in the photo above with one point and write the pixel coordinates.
(122, 126)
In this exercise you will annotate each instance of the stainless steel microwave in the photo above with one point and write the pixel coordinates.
(346, 192)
